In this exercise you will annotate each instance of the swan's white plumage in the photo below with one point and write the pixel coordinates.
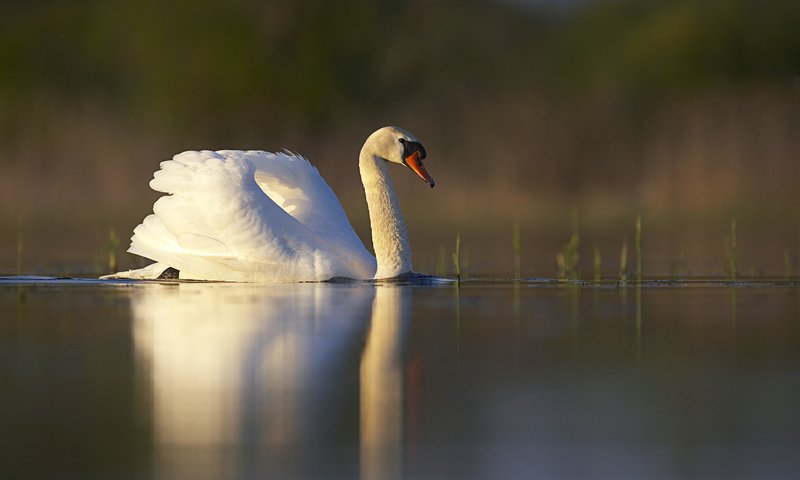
(248, 216)
(258, 216)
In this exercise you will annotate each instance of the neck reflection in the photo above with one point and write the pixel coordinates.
(382, 385)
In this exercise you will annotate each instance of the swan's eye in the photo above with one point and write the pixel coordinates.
(409, 147)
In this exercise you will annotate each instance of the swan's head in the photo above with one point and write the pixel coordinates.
(396, 145)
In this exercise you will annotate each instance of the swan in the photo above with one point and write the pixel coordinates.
(256, 216)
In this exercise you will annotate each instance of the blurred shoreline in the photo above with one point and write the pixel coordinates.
(686, 113)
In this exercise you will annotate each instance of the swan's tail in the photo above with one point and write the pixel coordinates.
(150, 272)
(150, 240)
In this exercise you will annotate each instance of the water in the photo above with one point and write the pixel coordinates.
(495, 380)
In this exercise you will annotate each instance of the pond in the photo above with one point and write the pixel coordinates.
(178, 380)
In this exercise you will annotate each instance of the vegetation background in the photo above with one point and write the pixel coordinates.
(554, 115)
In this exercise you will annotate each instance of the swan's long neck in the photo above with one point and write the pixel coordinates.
(389, 236)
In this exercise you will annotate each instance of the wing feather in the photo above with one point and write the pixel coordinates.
(248, 216)
(297, 187)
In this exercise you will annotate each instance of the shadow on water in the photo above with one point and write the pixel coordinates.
(392, 380)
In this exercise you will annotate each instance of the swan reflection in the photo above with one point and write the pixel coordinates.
(290, 380)
(382, 386)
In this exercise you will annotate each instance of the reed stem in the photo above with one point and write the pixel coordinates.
(732, 259)
(568, 259)
(457, 259)
(638, 245)
(516, 244)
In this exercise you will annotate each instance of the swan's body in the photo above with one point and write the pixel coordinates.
(255, 216)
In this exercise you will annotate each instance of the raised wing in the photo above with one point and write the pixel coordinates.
(218, 223)
(297, 187)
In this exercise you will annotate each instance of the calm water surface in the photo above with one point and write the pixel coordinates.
(204, 380)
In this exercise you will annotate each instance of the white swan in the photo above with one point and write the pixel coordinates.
(255, 216)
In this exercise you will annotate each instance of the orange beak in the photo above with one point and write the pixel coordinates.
(414, 162)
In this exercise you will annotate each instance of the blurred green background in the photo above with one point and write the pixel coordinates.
(531, 111)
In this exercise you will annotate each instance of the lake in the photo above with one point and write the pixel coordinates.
(175, 380)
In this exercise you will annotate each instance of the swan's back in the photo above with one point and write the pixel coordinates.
(249, 216)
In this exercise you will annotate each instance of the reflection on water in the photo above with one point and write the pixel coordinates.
(261, 380)
(382, 386)
(179, 381)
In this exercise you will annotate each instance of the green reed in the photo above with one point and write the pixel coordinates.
(623, 262)
(516, 245)
(568, 259)
(638, 246)
(457, 259)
